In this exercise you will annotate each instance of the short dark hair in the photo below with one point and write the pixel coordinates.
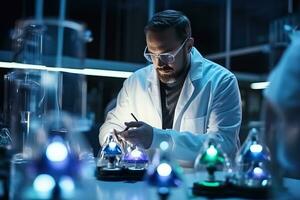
(170, 19)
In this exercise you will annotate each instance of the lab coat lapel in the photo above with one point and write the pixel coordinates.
(185, 95)
(154, 94)
(188, 88)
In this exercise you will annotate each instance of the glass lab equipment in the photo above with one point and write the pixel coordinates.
(59, 161)
(253, 162)
(50, 42)
(135, 158)
(163, 173)
(23, 100)
(110, 155)
(210, 160)
(32, 93)
(5, 155)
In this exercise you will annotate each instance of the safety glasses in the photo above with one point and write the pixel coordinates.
(167, 58)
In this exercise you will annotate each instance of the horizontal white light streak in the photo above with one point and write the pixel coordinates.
(259, 85)
(84, 71)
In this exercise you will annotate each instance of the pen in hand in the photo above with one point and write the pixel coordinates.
(134, 117)
(126, 129)
(118, 135)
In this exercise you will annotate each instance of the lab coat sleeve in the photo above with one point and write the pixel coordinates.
(224, 123)
(116, 117)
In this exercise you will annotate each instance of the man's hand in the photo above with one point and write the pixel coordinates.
(120, 139)
(141, 134)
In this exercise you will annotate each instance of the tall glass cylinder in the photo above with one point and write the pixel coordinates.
(33, 93)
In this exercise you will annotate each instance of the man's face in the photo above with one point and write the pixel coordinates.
(166, 41)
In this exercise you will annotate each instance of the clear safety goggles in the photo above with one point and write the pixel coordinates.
(167, 58)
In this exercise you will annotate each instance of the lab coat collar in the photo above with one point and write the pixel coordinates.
(194, 74)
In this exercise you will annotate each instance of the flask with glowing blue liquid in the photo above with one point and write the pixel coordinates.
(135, 158)
(110, 154)
(164, 173)
(253, 162)
(56, 161)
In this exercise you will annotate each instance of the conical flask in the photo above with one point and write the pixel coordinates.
(164, 173)
(135, 158)
(210, 159)
(110, 154)
(253, 154)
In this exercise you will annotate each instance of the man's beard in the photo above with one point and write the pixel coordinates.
(167, 74)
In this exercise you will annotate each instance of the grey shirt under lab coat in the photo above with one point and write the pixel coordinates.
(209, 103)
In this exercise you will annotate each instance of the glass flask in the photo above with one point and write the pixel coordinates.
(135, 158)
(110, 154)
(56, 163)
(5, 139)
(253, 154)
(211, 159)
(258, 175)
(163, 172)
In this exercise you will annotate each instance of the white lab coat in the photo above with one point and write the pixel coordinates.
(209, 103)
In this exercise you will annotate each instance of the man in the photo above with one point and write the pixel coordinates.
(181, 98)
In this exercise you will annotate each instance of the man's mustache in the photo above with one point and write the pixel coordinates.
(164, 68)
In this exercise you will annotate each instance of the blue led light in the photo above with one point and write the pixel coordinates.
(56, 152)
(258, 172)
(136, 154)
(256, 148)
(112, 149)
(66, 184)
(43, 183)
(264, 182)
(112, 146)
(164, 169)
(164, 145)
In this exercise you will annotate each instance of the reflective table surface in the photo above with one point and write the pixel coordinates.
(141, 191)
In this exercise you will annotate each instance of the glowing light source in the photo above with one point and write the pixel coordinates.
(66, 184)
(212, 151)
(112, 145)
(44, 183)
(256, 148)
(258, 172)
(264, 182)
(56, 152)
(85, 71)
(210, 183)
(164, 169)
(49, 79)
(136, 154)
(259, 85)
(164, 145)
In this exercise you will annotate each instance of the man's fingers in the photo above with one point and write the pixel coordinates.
(133, 124)
(130, 133)
(120, 138)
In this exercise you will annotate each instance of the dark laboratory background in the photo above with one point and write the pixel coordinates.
(244, 36)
